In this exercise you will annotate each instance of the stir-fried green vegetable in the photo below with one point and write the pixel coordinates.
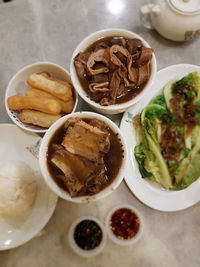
(169, 130)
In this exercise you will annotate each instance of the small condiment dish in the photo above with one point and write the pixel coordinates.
(84, 44)
(43, 159)
(138, 231)
(86, 252)
(18, 86)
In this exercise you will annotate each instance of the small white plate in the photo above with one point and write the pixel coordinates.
(18, 144)
(148, 192)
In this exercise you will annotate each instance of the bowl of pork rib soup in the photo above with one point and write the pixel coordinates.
(83, 156)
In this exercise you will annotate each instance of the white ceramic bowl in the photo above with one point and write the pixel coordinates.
(84, 44)
(18, 86)
(111, 235)
(43, 158)
(76, 248)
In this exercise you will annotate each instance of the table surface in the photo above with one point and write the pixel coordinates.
(50, 30)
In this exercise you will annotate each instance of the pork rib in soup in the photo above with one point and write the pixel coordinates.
(84, 156)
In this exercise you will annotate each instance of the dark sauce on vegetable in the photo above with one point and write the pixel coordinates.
(172, 139)
(182, 103)
(88, 235)
(131, 92)
(112, 160)
(124, 223)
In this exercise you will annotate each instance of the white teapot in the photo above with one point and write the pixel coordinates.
(177, 20)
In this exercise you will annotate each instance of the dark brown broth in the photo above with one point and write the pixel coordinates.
(113, 159)
(132, 92)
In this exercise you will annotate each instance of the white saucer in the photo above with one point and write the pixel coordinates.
(18, 144)
(148, 192)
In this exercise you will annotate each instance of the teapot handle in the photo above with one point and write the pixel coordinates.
(145, 12)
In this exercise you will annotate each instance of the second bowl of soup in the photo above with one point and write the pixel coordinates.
(112, 69)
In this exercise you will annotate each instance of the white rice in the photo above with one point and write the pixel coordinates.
(17, 188)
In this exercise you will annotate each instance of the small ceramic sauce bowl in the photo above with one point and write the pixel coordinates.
(124, 225)
(87, 236)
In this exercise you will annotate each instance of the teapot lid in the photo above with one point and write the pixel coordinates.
(186, 6)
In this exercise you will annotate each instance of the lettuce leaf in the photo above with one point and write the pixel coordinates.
(174, 174)
(140, 158)
(154, 162)
(167, 90)
(195, 81)
(159, 100)
(188, 171)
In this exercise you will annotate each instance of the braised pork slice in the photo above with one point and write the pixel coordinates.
(133, 45)
(59, 161)
(101, 45)
(143, 74)
(118, 55)
(99, 87)
(87, 141)
(80, 175)
(71, 122)
(73, 165)
(99, 124)
(98, 95)
(100, 78)
(132, 73)
(122, 90)
(80, 62)
(114, 84)
(98, 56)
(146, 55)
(97, 180)
(99, 90)
(73, 185)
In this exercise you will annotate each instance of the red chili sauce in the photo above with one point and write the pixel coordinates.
(124, 223)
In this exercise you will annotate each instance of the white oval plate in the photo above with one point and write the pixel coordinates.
(148, 192)
(18, 144)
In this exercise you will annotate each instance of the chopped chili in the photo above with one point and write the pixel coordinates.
(88, 235)
(124, 223)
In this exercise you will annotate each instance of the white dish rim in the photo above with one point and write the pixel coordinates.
(141, 188)
(43, 223)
